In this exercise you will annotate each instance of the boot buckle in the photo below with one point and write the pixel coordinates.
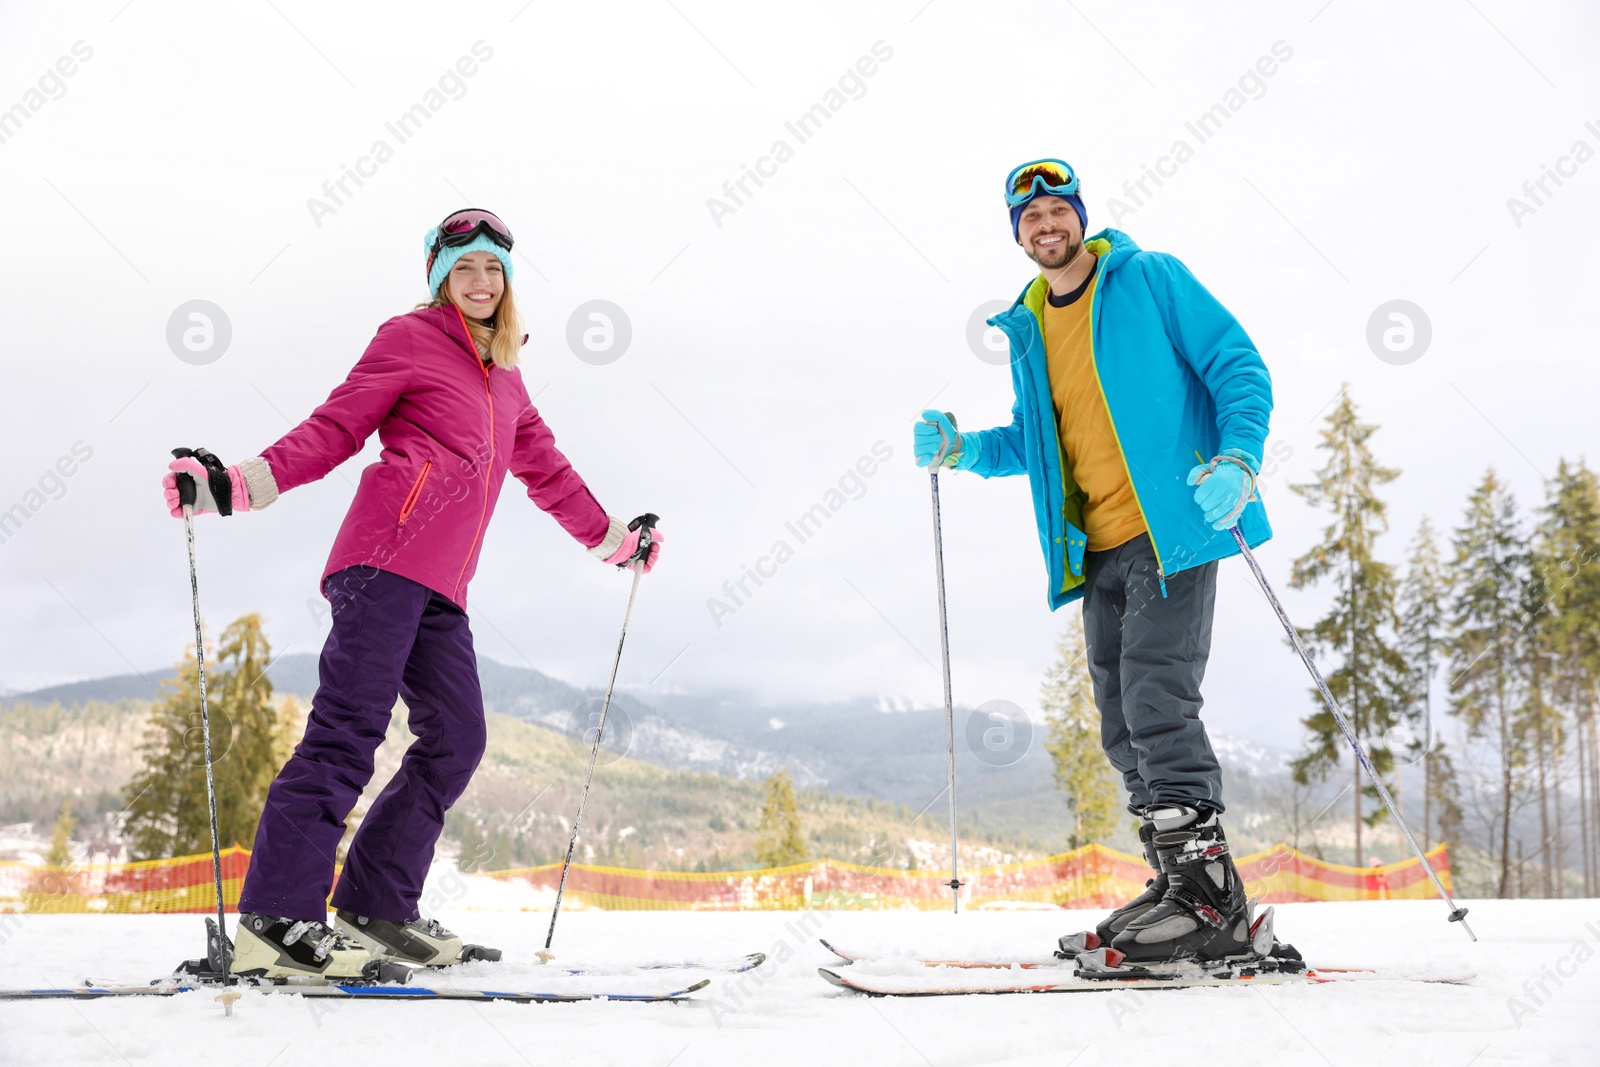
(1202, 911)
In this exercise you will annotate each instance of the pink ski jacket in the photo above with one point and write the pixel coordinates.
(451, 428)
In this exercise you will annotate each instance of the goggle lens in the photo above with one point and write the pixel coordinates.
(1052, 175)
(464, 225)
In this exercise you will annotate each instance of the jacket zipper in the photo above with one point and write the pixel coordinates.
(1094, 362)
(410, 504)
(483, 514)
(1061, 459)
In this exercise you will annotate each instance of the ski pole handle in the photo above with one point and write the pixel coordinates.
(946, 446)
(187, 493)
(644, 524)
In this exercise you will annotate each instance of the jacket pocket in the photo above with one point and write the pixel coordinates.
(1077, 542)
(410, 503)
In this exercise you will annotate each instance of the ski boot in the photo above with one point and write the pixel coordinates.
(1204, 916)
(418, 942)
(1069, 946)
(277, 949)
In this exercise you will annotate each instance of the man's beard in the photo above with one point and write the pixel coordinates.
(1065, 253)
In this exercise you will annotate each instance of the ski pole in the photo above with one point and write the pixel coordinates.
(945, 444)
(1457, 914)
(187, 494)
(645, 524)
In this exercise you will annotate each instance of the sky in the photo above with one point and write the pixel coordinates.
(778, 334)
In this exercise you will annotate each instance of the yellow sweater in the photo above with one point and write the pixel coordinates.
(1111, 513)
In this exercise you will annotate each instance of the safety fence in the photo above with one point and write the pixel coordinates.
(1090, 877)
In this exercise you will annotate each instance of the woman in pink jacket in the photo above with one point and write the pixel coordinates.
(441, 388)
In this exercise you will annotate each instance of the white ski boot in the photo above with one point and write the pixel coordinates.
(418, 942)
(278, 949)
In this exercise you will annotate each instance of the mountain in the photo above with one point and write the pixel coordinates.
(516, 812)
(107, 690)
(857, 748)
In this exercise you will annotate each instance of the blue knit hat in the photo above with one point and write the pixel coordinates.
(1074, 200)
(448, 256)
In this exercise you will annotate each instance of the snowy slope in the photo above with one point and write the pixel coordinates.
(785, 1014)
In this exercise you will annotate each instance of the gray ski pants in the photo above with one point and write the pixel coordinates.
(1147, 657)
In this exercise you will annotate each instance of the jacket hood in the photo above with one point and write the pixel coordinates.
(1112, 246)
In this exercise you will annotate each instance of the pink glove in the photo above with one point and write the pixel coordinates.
(630, 546)
(205, 502)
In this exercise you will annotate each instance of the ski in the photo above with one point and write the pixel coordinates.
(387, 981)
(1024, 960)
(733, 965)
(943, 982)
(1084, 946)
(349, 992)
(1083, 964)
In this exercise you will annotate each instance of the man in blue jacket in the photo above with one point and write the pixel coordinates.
(1126, 371)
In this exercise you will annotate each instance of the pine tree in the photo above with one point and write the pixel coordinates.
(1370, 681)
(1585, 853)
(779, 842)
(1538, 720)
(1421, 633)
(50, 887)
(167, 810)
(1539, 724)
(60, 854)
(1445, 795)
(1081, 771)
(1566, 558)
(1486, 620)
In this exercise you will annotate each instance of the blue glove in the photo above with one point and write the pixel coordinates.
(950, 449)
(1224, 486)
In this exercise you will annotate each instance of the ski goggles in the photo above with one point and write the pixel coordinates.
(1050, 177)
(464, 226)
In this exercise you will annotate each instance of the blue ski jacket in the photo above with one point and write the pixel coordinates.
(1181, 380)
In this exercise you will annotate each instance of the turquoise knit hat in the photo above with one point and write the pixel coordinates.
(448, 256)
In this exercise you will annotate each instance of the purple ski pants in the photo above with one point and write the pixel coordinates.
(391, 637)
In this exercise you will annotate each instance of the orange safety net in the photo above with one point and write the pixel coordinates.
(180, 884)
(1090, 877)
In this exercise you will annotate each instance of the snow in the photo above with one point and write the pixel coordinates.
(784, 1013)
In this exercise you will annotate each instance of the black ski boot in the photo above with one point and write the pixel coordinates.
(1204, 916)
(1154, 889)
(1069, 946)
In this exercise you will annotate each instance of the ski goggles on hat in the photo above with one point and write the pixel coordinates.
(463, 227)
(1050, 177)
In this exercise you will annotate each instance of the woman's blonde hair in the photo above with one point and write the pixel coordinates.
(501, 338)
